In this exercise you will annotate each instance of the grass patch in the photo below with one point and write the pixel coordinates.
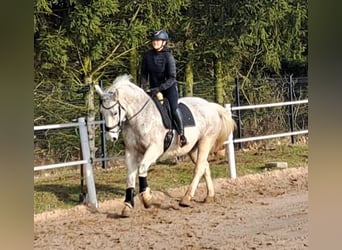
(60, 188)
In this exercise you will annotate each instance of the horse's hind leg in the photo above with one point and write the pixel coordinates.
(193, 155)
(202, 167)
(210, 185)
(207, 175)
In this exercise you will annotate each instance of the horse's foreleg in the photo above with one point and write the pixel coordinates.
(132, 169)
(145, 192)
(151, 155)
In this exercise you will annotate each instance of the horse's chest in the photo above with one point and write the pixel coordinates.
(135, 140)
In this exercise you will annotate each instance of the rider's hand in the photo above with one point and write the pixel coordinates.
(154, 91)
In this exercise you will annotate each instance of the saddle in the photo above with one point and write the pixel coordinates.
(169, 123)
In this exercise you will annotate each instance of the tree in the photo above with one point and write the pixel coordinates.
(245, 38)
(79, 42)
(268, 34)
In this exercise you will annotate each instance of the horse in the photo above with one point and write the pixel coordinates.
(127, 108)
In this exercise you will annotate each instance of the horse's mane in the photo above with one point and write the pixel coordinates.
(121, 81)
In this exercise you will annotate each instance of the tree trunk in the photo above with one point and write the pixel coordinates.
(189, 76)
(189, 79)
(219, 81)
(91, 113)
(133, 61)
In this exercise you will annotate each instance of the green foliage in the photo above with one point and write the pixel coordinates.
(77, 43)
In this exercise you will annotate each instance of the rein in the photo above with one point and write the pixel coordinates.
(138, 111)
(120, 120)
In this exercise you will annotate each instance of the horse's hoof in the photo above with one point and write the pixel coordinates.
(146, 198)
(209, 199)
(127, 210)
(186, 201)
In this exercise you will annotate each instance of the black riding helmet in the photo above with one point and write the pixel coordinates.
(160, 35)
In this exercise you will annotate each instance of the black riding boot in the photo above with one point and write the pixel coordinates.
(177, 115)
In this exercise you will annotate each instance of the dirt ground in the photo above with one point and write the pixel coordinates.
(263, 211)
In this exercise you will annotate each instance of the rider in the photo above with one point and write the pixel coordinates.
(158, 65)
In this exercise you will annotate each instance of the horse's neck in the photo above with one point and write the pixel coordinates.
(142, 121)
(143, 111)
(137, 105)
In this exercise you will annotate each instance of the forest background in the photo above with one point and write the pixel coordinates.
(78, 43)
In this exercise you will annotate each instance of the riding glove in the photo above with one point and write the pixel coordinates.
(154, 91)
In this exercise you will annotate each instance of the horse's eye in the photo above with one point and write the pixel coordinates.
(115, 113)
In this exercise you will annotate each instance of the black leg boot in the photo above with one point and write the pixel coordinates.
(145, 192)
(142, 184)
(129, 198)
(177, 115)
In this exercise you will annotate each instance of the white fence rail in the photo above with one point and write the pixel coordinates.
(60, 165)
(87, 167)
(86, 161)
(230, 142)
(269, 105)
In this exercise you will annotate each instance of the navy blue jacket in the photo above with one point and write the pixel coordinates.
(159, 67)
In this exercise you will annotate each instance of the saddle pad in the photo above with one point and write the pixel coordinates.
(165, 112)
(188, 119)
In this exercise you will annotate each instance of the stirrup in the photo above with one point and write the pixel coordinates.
(182, 140)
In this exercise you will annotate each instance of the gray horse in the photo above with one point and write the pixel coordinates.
(128, 108)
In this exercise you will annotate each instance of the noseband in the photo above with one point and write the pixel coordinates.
(119, 124)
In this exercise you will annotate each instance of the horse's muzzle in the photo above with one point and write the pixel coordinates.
(112, 136)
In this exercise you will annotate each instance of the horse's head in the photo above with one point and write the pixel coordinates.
(112, 111)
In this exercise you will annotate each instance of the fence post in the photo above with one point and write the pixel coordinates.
(230, 148)
(237, 102)
(87, 167)
(291, 108)
(83, 194)
(103, 136)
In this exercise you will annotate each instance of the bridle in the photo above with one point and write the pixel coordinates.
(120, 123)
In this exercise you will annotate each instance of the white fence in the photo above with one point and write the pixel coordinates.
(231, 141)
(86, 161)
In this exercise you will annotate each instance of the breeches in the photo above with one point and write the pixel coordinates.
(172, 96)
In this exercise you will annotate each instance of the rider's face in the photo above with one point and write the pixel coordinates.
(158, 44)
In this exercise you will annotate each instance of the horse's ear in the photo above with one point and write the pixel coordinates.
(99, 90)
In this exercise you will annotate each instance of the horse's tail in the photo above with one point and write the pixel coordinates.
(227, 126)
